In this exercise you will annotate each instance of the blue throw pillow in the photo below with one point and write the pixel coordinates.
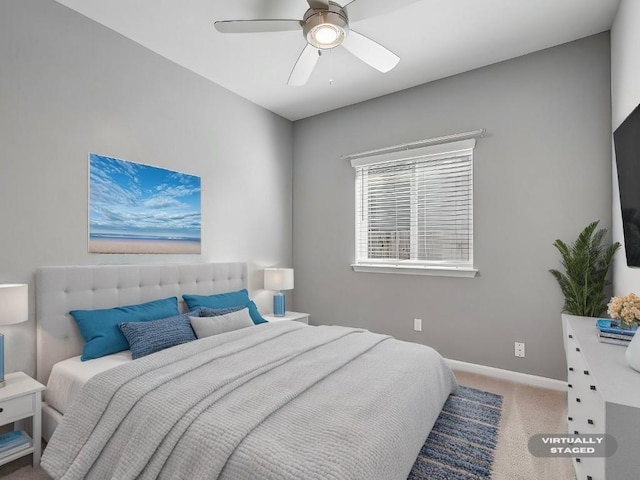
(99, 328)
(225, 300)
(146, 338)
(255, 314)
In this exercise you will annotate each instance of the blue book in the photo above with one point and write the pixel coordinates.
(604, 325)
(12, 443)
(9, 437)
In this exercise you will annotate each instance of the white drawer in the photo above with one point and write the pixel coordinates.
(570, 342)
(589, 468)
(16, 408)
(594, 411)
(574, 412)
(576, 366)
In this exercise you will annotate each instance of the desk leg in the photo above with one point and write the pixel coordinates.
(37, 430)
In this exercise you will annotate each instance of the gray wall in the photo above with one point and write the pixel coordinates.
(542, 172)
(69, 86)
(625, 96)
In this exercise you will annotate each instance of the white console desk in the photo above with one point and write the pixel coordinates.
(603, 397)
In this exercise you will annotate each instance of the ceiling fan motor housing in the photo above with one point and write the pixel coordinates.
(325, 29)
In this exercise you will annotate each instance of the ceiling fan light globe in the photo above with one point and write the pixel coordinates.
(326, 36)
(325, 29)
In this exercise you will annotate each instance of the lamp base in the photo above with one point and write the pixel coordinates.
(278, 304)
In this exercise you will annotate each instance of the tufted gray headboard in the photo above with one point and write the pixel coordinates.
(61, 289)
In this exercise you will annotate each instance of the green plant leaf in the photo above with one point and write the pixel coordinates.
(586, 263)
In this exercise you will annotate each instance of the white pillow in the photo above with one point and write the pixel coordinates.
(207, 326)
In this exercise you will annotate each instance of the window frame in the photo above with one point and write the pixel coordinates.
(432, 151)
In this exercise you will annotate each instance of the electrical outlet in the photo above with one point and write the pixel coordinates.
(519, 347)
(417, 324)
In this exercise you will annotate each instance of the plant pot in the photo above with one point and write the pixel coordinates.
(632, 353)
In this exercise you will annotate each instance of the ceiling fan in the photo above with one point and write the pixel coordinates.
(325, 25)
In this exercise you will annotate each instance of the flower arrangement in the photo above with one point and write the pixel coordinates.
(626, 308)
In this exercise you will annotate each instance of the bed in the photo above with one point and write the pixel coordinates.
(278, 400)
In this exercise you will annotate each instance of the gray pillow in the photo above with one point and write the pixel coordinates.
(207, 326)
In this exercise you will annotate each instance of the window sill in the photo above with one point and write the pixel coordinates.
(417, 270)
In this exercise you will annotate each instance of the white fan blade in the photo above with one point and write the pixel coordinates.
(370, 52)
(256, 26)
(304, 66)
(319, 4)
(360, 9)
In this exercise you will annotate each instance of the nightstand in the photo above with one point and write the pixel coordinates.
(21, 398)
(293, 316)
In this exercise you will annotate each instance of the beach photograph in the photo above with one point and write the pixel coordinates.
(137, 208)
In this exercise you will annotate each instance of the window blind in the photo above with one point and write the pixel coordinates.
(417, 207)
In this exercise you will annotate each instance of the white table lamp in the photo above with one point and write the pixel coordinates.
(278, 279)
(14, 308)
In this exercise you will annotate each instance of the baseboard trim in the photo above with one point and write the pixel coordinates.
(518, 377)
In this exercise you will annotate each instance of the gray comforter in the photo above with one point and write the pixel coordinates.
(274, 401)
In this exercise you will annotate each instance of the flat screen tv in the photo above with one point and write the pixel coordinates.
(626, 140)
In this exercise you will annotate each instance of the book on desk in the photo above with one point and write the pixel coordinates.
(609, 331)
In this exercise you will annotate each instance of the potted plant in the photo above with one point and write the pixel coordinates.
(586, 263)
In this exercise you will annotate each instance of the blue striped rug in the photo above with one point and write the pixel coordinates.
(462, 442)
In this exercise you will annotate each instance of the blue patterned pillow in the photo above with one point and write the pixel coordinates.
(146, 338)
(214, 312)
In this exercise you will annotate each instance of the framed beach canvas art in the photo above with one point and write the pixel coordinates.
(136, 208)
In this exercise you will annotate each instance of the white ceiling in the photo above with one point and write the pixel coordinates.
(433, 38)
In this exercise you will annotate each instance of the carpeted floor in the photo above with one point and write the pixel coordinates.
(26, 472)
(525, 411)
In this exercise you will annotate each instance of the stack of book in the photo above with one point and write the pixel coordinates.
(610, 332)
(13, 442)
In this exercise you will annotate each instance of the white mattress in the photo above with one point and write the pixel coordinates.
(69, 376)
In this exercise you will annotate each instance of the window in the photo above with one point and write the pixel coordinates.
(414, 210)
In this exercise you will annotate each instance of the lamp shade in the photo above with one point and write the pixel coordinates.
(14, 303)
(278, 279)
